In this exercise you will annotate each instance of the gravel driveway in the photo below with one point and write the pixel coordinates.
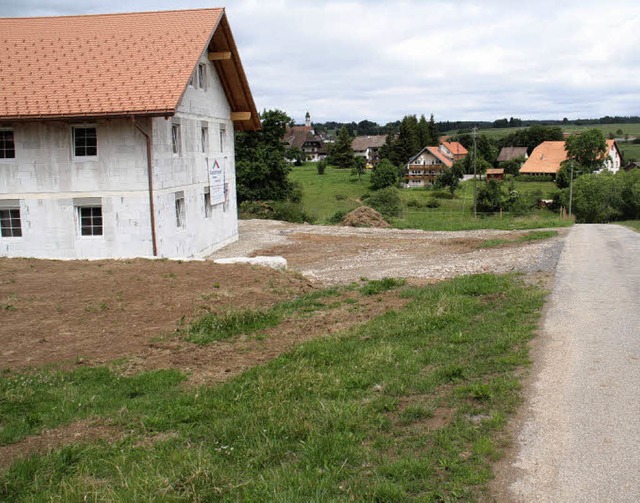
(579, 439)
(334, 254)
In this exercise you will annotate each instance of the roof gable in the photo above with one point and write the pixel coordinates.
(545, 158)
(362, 143)
(456, 148)
(509, 153)
(111, 64)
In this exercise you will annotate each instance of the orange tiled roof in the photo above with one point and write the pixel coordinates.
(436, 152)
(455, 147)
(105, 65)
(545, 158)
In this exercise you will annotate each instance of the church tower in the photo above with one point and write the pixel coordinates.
(307, 120)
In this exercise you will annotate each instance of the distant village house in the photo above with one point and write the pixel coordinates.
(368, 147)
(116, 134)
(423, 169)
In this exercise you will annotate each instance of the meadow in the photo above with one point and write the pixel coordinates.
(339, 191)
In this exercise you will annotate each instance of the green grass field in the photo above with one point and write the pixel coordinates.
(633, 224)
(411, 405)
(338, 190)
(632, 130)
(629, 151)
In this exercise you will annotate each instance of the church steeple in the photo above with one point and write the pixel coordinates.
(307, 119)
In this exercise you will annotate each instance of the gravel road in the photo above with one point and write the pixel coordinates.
(579, 439)
(334, 254)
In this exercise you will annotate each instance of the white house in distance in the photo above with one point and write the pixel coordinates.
(423, 169)
(116, 134)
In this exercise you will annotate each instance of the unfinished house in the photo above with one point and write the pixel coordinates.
(116, 134)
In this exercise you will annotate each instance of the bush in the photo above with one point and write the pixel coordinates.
(321, 167)
(432, 203)
(386, 201)
(384, 175)
(337, 217)
(287, 211)
(340, 197)
(414, 203)
(534, 178)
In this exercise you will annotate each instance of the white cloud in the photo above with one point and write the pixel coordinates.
(468, 59)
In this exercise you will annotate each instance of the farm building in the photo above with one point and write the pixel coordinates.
(368, 147)
(511, 153)
(546, 158)
(423, 169)
(116, 134)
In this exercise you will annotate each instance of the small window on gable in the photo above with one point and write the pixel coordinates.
(10, 224)
(202, 76)
(223, 138)
(89, 216)
(204, 139)
(7, 144)
(175, 138)
(191, 80)
(85, 141)
(180, 211)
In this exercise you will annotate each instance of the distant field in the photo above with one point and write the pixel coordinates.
(338, 190)
(632, 130)
(630, 151)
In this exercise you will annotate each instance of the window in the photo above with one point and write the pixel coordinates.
(7, 145)
(180, 215)
(191, 81)
(207, 202)
(175, 138)
(90, 218)
(223, 138)
(202, 76)
(204, 139)
(10, 225)
(85, 141)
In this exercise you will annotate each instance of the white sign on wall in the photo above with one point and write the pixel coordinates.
(216, 180)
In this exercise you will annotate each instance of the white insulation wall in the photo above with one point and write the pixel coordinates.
(48, 184)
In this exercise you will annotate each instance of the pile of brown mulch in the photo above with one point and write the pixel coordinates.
(363, 216)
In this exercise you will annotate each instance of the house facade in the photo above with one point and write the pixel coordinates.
(423, 169)
(547, 158)
(368, 147)
(130, 157)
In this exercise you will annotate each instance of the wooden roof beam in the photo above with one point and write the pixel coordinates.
(219, 56)
(240, 116)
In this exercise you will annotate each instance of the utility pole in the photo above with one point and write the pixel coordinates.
(475, 210)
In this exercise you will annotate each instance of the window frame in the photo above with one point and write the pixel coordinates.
(181, 210)
(223, 137)
(12, 231)
(13, 141)
(204, 138)
(201, 76)
(96, 230)
(206, 199)
(74, 154)
(176, 139)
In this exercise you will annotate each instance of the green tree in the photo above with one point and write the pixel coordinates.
(321, 167)
(341, 155)
(512, 166)
(531, 137)
(359, 166)
(296, 156)
(261, 166)
(385, 174)
(433, 137)
(492, 196)
(450, 177)
(587, 149)
(386, 201)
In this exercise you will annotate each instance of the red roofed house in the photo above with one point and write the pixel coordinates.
(424, 168)
(453, 150)
(547, 157)
(116, 134)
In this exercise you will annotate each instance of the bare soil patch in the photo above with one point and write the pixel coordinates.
(78, 432)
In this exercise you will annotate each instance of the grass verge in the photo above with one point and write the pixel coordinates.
(632, 224)
(530, 236)
(408, 405)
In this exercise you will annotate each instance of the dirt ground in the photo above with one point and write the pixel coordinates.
(96, 312)
(128, 313)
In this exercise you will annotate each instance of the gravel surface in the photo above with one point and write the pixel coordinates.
(334, 254)
(579, 438)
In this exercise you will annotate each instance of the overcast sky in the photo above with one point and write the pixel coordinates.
(460, 60)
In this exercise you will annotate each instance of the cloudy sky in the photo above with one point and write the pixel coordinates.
(348, 60)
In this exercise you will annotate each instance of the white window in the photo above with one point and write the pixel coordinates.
(89, 216)
(85, 141)
(7, 144)
(175, 139)
(10, 224)
(223, 138)
(207, 202)
(180, 213)
(204, 139)
(202, 76)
